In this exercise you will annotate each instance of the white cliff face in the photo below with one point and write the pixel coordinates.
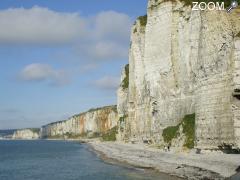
(26, 134)
(94, 121)
(183, 62)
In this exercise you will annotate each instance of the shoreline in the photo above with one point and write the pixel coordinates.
(180, 165)
(126, 164)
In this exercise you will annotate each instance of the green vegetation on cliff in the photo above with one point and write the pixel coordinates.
(113, 107)
(110, 135)
(189, 130)
(238, 34)
(35, 130)
(122, 118)
(170, 132)
(69, 135)
(125, 81)
(188, 125)
(122, 122)
(143, 20)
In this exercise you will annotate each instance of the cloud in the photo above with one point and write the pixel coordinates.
(44, 72)
(103, 51)
(108, 83)
(109, 50)
(113, 25)
(104, 36)
(39, 25)
(110, 37)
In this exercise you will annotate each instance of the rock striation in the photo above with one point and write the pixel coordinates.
(28, 134)
(88, 124)
(182, 62)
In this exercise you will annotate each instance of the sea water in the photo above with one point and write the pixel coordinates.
(61, 160)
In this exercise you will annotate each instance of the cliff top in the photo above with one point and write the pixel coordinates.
(35, 130)
(113, 107)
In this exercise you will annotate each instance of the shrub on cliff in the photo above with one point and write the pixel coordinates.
(122, 122)
(125, 81)
(143, 20)
(189, 130)
(110, 135)
(238, 34)
(188, 125)
(169, 133)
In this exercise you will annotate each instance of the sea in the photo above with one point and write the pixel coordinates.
(62, 160)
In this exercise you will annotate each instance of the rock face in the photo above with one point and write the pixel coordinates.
(183, 62)
(89, 124)
(31, 133)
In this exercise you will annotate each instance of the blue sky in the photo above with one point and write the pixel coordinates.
(61, 57)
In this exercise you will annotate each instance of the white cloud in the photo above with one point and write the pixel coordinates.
(101, 37)
(44, 72)
(108, 82)
(39, 25)
(111, 37)
(103, 50)
(111, 24)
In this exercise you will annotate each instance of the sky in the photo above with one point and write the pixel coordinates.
(61, 57)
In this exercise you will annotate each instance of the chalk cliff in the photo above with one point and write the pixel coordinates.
(88, 124)
(183, 73)
(31, 133)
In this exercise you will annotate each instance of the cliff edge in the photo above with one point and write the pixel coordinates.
(26, 134)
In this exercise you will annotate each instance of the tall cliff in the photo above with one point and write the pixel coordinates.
(183, 73)
(90, 124)
(30, 133)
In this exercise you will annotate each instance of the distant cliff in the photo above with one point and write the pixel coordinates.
(182, 84)
(30, 133)
(93, 123)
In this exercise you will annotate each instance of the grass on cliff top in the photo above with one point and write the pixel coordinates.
(113, 107)
(35, 130)
(143, 20)
(125, 82)
(110, 135)
(188, 124)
